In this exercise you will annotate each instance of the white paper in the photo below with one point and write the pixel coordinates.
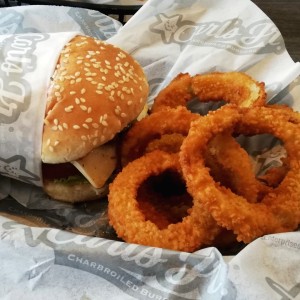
(26, 67)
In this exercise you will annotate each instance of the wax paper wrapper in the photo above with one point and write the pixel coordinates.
(80, 257)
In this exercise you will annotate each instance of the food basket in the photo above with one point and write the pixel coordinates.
(50, 249)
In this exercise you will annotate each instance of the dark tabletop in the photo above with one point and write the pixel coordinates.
(286, 16)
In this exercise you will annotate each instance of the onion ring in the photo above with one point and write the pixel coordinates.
(163, 199)
(170, 143)
(232, 87)
(279, 210)
(196, 229)
(169, 121)
(226, 158)
(165, 130)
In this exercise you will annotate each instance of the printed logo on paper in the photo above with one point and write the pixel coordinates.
(94, 23)
(11, 22)
(285, 293)
(232, 35)
(15, 167)
(141, 272)
(16, 60)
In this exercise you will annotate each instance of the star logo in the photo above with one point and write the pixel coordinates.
(15, 167)
(166, 26)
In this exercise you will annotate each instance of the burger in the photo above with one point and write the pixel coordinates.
(96, 91)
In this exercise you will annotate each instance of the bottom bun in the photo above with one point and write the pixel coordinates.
(79, 192)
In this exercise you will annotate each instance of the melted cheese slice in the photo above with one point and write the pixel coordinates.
(98, 165)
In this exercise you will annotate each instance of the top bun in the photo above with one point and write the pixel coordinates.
(96, 90)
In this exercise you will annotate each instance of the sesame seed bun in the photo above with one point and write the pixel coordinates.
(96, 90)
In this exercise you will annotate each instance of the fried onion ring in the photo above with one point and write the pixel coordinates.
(232, 87)
(195, 230)
(163, 199)
(279, 210)
(170, 143)
(153, 127)
(228, 159)
(165, 130)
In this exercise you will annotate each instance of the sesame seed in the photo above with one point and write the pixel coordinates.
(54, 128)
(89, 120)
(72, 93)
(56, 143)
(123, 115)
(48, 142)
(76, 126)
(83, 91)
(77, 101)
(85, 126)
(83, 107)
(69, 108)
(51, 149)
